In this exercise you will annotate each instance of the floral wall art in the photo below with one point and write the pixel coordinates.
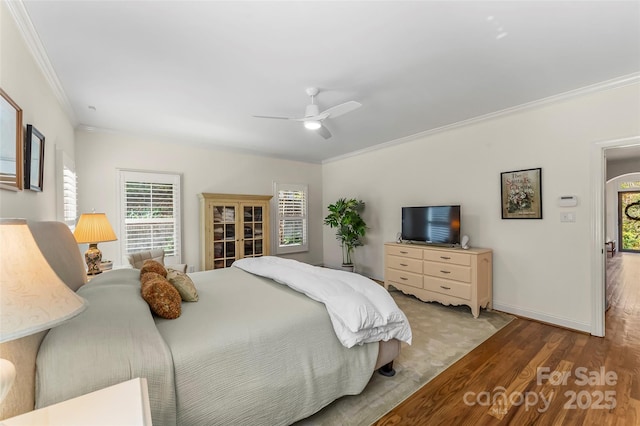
(522, 194)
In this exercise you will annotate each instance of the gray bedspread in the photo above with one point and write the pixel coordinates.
(254, 352)
(115, 339)
(249, 352)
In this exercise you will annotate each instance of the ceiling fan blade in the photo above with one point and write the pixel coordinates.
(277, 118)
(324, 132)
(344, 108)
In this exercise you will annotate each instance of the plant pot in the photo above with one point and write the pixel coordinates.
(349, 267)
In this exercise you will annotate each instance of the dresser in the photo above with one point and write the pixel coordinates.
(451, 276)
(233, 227)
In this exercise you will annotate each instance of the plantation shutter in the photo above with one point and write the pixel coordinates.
(67, 189)
(151, 213)
(292, 218)
(70, 195)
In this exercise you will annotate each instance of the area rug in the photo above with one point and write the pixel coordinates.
(441, 336)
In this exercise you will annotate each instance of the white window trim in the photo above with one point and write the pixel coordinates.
(277, 187)
(151, 176)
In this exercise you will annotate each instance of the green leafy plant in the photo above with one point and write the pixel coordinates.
(344, 215)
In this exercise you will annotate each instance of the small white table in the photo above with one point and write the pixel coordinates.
(126, 403)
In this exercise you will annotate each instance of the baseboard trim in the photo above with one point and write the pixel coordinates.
(543, 317)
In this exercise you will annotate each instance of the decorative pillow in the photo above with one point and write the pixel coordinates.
(149, 276)
(183, 284)
(163, 298)
(151, 265)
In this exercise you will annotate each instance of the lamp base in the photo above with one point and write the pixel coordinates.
(93, 257)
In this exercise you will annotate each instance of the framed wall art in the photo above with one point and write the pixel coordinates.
(11, 141)
(33, 159)
(521, 194)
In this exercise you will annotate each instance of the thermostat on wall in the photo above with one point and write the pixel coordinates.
(568, 201)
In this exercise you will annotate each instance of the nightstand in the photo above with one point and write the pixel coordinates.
(126, 403)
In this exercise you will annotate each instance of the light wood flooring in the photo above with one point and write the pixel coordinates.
(499, 382)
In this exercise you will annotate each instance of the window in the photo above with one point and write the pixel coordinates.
(630, 185)
(291, 218)
(66, 185)
(150, 213)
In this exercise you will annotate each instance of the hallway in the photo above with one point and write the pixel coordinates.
(623, 295)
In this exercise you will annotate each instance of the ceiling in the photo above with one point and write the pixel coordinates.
(197, 72)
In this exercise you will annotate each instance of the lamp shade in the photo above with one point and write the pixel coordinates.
(32, 296)
(93, 228)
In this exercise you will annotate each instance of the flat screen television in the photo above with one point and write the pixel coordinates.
(431, 225)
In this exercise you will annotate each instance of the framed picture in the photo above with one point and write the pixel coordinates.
(10, 144)
(33, 159)
(521, 194)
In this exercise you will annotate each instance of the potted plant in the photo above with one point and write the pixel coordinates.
(345, 216)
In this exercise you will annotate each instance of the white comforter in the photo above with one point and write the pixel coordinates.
(361, 311)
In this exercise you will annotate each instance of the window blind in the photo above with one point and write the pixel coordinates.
(150, 210)
(66, 189)
(292, 218)
(69, 196)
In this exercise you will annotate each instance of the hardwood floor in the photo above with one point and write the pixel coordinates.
(532, 373)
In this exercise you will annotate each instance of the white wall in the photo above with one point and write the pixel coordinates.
(541, 267)
(22, 80)
(100, 155)
(616, 168)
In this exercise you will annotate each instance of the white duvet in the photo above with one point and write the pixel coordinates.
(361, 311)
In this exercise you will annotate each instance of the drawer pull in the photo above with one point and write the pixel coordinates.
(445, 272)
(446, 288)
(403, 264)
(404, 252)
(403, 278)
(445, 257)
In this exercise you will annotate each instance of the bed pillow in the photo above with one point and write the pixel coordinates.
(151, 265)
(162, 297)
(183, 284)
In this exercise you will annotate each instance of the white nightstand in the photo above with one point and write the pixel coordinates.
(126, 403)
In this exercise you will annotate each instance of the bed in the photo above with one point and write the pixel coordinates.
(250, 351)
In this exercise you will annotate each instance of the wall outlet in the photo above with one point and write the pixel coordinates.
(567, 217)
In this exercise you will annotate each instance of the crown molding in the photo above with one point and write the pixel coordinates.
(39, 53)
(614, 83)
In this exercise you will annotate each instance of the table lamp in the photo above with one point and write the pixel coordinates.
(32, 296)
(93, 228)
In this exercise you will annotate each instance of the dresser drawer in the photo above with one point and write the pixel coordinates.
(412, 252)
(450, 272)
(451, 288)
(448, 257)
(402, 277)
(404, 264)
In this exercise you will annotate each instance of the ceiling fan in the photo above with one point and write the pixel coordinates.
(313, 118)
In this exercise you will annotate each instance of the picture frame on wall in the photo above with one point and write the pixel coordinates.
(11, 144)
(34, 159)
(521, 194)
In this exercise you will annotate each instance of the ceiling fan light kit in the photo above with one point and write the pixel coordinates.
(312, 124)
(313, 118)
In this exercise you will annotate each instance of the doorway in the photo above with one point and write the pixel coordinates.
(629, 221)
(598, 178)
